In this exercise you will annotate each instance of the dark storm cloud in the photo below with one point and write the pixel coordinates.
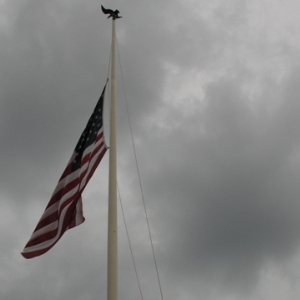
(235, 204)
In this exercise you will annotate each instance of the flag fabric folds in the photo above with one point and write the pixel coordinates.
(64, 210)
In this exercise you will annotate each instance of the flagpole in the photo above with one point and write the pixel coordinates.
(112, 249)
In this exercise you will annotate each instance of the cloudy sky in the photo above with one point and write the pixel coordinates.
(213, 95)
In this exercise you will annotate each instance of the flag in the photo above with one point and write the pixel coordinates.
(64, 210)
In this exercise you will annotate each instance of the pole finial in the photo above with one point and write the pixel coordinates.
(113, 14)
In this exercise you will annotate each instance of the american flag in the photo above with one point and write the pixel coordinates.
(64, 210)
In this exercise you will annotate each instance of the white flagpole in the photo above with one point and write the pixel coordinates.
(112, 263)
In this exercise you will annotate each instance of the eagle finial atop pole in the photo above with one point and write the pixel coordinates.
(113, 14)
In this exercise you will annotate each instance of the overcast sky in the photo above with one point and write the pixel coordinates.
(213, 95)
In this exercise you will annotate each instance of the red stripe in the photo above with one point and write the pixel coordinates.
(64, 190)
(37, 252)
(96, 164)
(40, 239)
(91, 154)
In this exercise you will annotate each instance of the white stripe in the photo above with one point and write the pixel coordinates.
(44, 230)
(67, 196)
(91, 162)
(91, 165)
(79, 215)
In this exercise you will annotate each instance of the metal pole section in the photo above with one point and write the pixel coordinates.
(112, 264)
